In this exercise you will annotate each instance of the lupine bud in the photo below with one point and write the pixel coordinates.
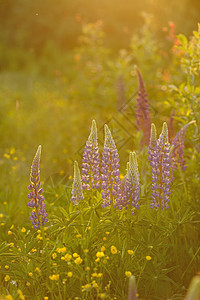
(131, 189)
(91, 161)
(142, 110)
(178, 148)
(160, 161)
(110, 170)
(77, 193)
(38, 215)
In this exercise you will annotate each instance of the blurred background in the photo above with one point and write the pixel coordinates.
(34, 29)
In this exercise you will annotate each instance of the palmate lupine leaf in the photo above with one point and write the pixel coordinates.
(160, 161)
(131, 189)
(91, 161)
(77, 192)
(110, 170)
(142, 110)
(38, 215)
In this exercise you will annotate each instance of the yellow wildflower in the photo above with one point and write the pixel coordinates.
(113, 249)
(11, 227)
(78, 261)
(46, 298)
(1, 216)
(21, 296)
(103, 248)
(8, 297)
(9, 232)
(99, 275)
(100, 254)
(54, 255)
(128, 273)
(148, 257)
(78, 235)
(97, 260)
(2, 224)
(130, 252)
(28, 284)
(6, 267)
(75, 255)
(69, 274)
(54, 277)
(104, 238)
(33, 250)
(37, 269)
(107, 232)
(86, 250)
(30, 274)
(94, 274)
(61, 250)
(23, 229)
(7, 278)
(6, 155)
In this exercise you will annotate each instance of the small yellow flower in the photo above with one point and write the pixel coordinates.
(54, 255)
(8, 297)
(15, 158)
(37, 269)
(46, 298)
(2, 224)
(78, 261)
(19, 249)
(104, 238)
(1, 215)
(102, 296)
(100, 254)
(70, 177)
(54, 264)
(6, 155)
(128, 273)
(107, 232)
(95, 285)
(21, 296)
(5, 202)
(61, 250)
(69, 274)
(54, 277)
(151, 247)
(86, 287)
(23, 229)
(121, 176)
(148, 257)
(33, 250)
(7, 278)
(103, 248)
(12, 150)
(78, 235)
(97, 259)
(6, 267)
(11, 227)
(68, 257)
(75, 255)
(9, 232)
(30, 274)
(130, 252)
(99, 275)
(113, 249)
(89, 228)
(94, 274)
(28, 284)
(86, 250)
(57, 195)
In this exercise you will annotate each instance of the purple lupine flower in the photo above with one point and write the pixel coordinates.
(131, 189)
(91, 161)
(77, 192)
(160, 161)
(142, 110)
(38, 215)
(178, 148)
(110, 186)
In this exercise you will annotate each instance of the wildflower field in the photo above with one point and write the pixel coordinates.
(100, 169)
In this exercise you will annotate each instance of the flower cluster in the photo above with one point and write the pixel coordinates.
(77, 192)
(131, 188)
(91, 161)
(178, 148)
(38, 215)
(142, 110)
(110, 170)
(160, 161)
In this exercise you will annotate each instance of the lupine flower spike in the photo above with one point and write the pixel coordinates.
(38, 215)
(110, 186)
(160, 161)
(142, 110)
(178, 148)
(91, 161)
(131, 189)
(77, 192)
